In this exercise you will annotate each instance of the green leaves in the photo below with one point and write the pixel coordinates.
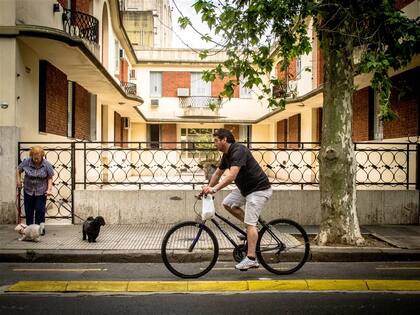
(251, 27)
(184, 21)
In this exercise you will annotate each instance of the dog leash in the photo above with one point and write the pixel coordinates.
(74, 214)
(18, 206)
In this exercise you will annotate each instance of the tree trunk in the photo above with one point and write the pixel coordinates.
(337, 163)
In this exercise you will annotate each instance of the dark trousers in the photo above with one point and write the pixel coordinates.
(34, 205)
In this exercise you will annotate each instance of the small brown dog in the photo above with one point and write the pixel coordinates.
(92, 227)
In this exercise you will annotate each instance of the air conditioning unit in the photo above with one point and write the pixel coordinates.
(126, 122)
(183, 92)
(154, 102)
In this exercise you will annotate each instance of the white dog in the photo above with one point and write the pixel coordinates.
(29, 232)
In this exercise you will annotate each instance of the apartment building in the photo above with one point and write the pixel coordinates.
(70, 75)
(148, 23)
(302, 118)
(65, 77)
(180, 106)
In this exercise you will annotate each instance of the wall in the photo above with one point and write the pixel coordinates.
(8, 163)
(169, 207)
(361, 115)
(169, 106)
(38, 13)
(8, 50)
(82, 113)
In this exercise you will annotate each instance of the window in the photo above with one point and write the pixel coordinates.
(155, 84)
(199, 87)
(298, 67)
(244, 92)
(132, 74)
(117, 57)
(377, 124)
(93, 118)
(70, 109)
(189, 135)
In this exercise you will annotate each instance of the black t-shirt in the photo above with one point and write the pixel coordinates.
(251, 176)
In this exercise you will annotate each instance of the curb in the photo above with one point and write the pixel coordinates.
(330, 254)
(355, 285)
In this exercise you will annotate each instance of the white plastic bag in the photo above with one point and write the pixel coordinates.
(208, 210)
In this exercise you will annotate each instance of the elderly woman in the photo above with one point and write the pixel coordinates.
(37, 185)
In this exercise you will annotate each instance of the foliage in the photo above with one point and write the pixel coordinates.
(258, 33)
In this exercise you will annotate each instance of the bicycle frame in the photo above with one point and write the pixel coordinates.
(236, 246)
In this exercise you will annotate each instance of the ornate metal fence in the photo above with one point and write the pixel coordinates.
(81, 25)
(62, 156)
(181, 165)
(291, 164)
(129, 88)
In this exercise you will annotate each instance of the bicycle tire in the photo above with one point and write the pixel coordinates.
(205, 252)
(291, 255)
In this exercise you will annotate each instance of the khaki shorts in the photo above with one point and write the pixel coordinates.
(254, 203)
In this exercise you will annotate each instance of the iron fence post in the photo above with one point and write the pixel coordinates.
(418, 166)
(73, 178)
(408, 167)
(84, 165)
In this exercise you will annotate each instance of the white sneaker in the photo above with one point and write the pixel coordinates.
(246, 264)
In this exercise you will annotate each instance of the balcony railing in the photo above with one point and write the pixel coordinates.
(129, 88)
(209, 102)
(81, 25)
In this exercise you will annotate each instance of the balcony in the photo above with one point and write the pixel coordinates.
(129, 88)
(81, 25)
(207, 102)
(200, 106)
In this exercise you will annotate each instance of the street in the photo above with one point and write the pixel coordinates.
(295, 302)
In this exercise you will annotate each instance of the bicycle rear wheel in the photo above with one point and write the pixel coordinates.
(189, 250)
(283, 248)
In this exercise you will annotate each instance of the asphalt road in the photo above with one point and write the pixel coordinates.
(260, 303)
(299, 302)
(12, 272)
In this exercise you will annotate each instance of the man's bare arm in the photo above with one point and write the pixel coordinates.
(227, 180)
(216, 176)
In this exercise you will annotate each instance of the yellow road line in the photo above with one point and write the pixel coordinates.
(216, 286)
(58, 270)
(398, 268)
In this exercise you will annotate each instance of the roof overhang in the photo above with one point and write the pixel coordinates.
(73, 57)
(313, 99)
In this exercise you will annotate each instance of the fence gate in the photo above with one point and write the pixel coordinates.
(59, 207)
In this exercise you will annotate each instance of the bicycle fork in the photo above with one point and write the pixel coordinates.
(191, 248)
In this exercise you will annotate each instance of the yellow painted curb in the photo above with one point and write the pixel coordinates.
(215, 286)
(201, 286)
(337, 285)
(277, 285)
(393, 285)
(38, 286)
(157, 286)
(97, 286)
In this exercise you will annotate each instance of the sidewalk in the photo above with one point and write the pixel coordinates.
(141, 243)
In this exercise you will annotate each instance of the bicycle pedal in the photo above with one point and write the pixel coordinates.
(242, 237)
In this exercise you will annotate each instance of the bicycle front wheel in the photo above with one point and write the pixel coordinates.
(189, 250)
(283, 248)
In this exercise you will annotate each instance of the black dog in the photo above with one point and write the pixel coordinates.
(91, 228)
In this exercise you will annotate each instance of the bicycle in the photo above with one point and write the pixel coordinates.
(282, 247)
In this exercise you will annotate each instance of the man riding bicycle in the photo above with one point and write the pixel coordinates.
(253, 188)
